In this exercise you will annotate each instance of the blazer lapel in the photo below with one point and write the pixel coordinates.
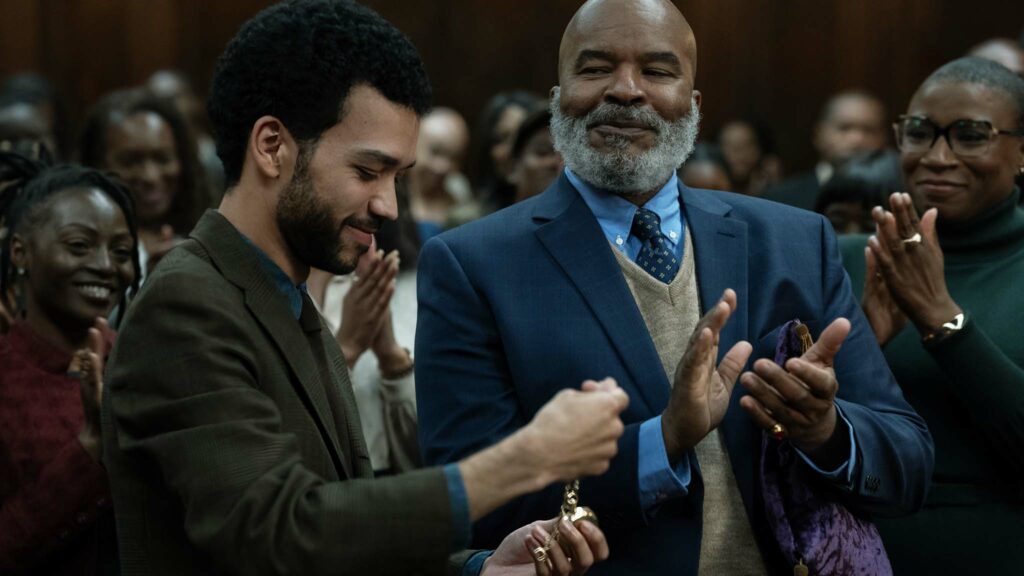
(574, 239)
(720, 252)
(239, 264)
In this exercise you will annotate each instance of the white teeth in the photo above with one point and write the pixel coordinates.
(94, 291)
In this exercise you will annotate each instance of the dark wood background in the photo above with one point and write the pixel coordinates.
(773, 59)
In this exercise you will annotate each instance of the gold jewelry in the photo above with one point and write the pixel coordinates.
(570, 512)
(779, 431)
(945, 331)
(915, 239)
(540, 554)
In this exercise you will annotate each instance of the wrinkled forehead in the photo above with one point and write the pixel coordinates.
(628, 30)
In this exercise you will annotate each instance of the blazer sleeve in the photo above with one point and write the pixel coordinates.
(895, 450)
(184, 394)
(467, 399)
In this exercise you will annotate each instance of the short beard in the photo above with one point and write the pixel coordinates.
(619, 171)
(306, 223)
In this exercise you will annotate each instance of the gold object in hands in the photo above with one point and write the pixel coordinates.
(572, 512)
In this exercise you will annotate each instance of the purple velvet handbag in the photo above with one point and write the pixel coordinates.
(815, 532)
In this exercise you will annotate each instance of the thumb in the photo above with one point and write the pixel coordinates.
(734, 361)
(828, 344)
(928, 225)
(166, 233)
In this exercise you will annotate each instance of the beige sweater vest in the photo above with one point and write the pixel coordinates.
(671, 312)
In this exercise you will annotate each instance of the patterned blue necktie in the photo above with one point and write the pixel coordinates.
(656, 256)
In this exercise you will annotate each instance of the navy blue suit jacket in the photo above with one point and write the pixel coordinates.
(530, 300)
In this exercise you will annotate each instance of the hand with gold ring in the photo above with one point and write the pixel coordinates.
(522, 552)
(797, 402)
(906, 252)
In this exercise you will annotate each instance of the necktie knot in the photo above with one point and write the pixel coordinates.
(656, 257)
(646, 225)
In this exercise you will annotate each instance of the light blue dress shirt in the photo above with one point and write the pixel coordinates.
(658, 480)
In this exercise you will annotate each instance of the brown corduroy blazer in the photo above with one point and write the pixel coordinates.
(232, 440)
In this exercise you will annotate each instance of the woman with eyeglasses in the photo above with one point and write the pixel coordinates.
(943, 295)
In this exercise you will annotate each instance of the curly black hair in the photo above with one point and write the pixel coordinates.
(297, 61)
(28, 187)
(193, 196)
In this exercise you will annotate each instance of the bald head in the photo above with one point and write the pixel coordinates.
(626, 20)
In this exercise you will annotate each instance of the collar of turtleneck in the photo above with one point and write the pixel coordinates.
(992, 235)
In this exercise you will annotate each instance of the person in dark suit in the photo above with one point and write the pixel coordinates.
(231, 437)
(608, 272)
(852, 122)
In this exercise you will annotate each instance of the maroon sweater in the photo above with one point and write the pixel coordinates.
(51, 490)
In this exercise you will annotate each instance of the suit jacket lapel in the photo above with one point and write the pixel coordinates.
(574, 239)
(720, 253)
(239, 264)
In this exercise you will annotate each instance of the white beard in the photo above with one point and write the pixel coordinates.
(618, 170)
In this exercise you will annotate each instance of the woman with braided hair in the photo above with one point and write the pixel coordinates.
(68, 257)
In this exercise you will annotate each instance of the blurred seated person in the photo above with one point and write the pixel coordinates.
(706, 168)
(1002, 50)
(435, 184)
(174, 86)
(24, 123)
(749, 150)
(147, 142)
(859, 184)
(852, 122)
(491, 155)
(535, 162)
(70, 252)
(34, 92)
(942, 294)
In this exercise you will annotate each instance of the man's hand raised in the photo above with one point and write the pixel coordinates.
(701, 392)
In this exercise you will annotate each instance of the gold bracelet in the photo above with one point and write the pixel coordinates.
(945, 331)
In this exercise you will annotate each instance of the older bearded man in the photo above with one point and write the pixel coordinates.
(620, 270)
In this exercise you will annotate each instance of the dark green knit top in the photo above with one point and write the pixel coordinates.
(969, 388)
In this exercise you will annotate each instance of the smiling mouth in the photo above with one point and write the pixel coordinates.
(95, 291)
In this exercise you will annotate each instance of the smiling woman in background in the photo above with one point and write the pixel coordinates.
(69, 249)
(147, 143)
(942, 295)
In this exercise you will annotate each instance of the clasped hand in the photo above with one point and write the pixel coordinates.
(799, 396)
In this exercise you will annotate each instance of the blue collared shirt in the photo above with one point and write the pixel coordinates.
(457, 497)
(658, 479)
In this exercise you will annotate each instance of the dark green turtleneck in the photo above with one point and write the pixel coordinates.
(970, 390)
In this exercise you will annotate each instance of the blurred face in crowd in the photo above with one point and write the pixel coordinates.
(141, 150)
(23, 123)
(739, 145)
(849, 218)
(538, 165)
(344, 186)
(963, 187)
(625, 114)
(77, 259)
(442, 144)
(705, 174)
(1003, 51)
(853, 124)
(501, 139)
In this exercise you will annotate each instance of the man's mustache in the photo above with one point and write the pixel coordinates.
(608, 113)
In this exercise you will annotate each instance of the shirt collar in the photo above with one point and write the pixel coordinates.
(615, 214)
(281, 280)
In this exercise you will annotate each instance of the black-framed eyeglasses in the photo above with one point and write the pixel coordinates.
(966, 138)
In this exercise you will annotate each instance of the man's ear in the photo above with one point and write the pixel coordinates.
(272, 148)
(697, 97)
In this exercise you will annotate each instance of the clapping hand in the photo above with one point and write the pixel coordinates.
(88, 363)
(801, 396)
(366, 305)
(905, 252)
(700, 395)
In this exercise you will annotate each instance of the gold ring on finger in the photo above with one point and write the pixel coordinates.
(779, 432)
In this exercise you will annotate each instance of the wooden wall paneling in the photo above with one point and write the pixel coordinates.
(19, 37)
